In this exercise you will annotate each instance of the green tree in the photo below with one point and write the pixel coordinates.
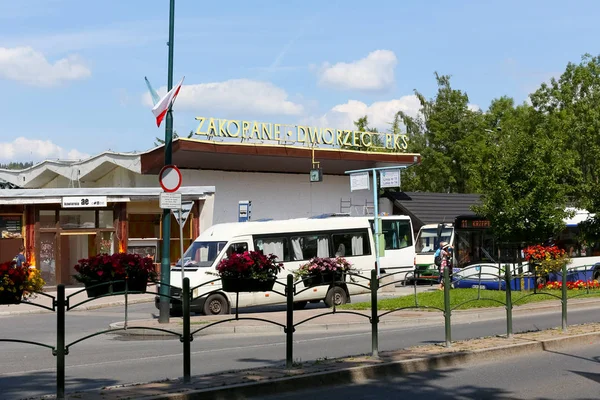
(572, 104)
(449, 137)
(362, 125)
(524, 175)
(16, 165)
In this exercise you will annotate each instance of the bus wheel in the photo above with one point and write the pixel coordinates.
(216, 304)
(336, 295)
(597, 275)
(299, 305)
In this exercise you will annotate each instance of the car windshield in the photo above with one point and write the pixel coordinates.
(202, 254)
(427, 240)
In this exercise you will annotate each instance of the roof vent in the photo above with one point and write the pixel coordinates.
(330, 215)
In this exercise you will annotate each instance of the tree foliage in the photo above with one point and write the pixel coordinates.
(448, 135)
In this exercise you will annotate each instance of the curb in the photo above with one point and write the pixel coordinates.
(361, 374)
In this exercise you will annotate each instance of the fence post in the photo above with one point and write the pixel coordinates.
(374, 316)
(60, 341)
(564, 298)
(508, 290)
(185, 311)
(289, 326)
(447, 310)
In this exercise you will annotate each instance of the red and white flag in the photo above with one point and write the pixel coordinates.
(161, 108)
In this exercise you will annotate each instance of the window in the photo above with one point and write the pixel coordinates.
(203, 254)
(47, 219)
(273, 245)
(351, 244)
(397, 234)
(309, 246)
(237, 248)
(427, 240)
(105, 219)
(73, 219)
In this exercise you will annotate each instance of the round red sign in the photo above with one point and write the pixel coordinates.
(169, 178)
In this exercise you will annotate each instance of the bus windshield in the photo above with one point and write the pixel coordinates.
(427, 239)
(203, 254)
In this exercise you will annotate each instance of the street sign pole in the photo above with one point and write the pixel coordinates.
(165, 264)
(376, 232)
(181, 223)
(182, 212)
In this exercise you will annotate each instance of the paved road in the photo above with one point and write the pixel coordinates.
(110, 360)
(573, 373)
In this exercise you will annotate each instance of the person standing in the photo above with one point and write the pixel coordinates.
(20, 258)
(446, 262)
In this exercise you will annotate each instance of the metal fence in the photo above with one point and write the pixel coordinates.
(61, 304)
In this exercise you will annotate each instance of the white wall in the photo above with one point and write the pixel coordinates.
(277, 196)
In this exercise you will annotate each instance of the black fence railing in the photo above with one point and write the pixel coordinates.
(579, 278)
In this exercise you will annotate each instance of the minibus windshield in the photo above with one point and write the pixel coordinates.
(202, 254)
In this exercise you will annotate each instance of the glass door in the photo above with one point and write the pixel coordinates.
(74, 247)
(48, 257)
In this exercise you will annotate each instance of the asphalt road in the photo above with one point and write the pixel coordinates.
(27, 371)
(573, 373)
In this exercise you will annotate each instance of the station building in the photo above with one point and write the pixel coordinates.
(62, 211)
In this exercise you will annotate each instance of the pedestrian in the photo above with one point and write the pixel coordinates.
(20, 258)
(446, 261)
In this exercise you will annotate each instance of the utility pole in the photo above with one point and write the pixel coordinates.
(165, 264)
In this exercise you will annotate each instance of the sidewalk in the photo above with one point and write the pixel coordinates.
(41, 299)
(249, 323)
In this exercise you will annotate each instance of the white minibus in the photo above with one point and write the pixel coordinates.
(294, 242)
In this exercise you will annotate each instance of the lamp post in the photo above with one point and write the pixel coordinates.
(165, 264)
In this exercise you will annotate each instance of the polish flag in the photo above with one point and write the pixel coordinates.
(166, 102)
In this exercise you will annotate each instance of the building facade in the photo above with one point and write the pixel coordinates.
(44, 211)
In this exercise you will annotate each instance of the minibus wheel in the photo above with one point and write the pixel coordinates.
(596, 275)
(336, 295)
(216, 304)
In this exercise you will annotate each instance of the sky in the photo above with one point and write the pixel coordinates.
(72, 72)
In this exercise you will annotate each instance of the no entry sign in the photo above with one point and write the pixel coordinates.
(169, 178)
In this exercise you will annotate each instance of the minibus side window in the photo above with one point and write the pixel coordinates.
(273, 245)
(308, 246)
(351, 244)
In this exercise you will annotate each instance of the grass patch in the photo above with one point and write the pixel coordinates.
(488, 298)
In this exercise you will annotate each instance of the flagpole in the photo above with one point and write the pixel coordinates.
(165, 265)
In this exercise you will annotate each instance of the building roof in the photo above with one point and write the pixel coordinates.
(90, 169)
(433, 208)
(254, 157)
(118, 194)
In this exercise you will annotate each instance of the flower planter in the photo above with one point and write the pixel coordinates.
(237, 285)
(135, 285)
(325, 278)
(7, 297)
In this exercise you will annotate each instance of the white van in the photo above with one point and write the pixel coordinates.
(294, 242)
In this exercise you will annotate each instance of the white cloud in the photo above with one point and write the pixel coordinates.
(26, 65)
(473, 107)
(379, 114)
(235, 95)
(375, 72)
(23, 149)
